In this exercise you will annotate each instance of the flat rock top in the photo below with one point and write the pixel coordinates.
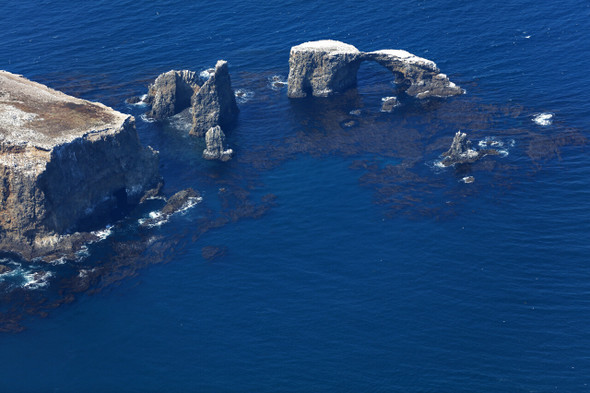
(325, 46)
(404, 56)
(34, 115)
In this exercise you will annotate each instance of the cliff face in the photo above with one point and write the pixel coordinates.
(215, 103)
(171, 93)
(60, 159)
(322, 68)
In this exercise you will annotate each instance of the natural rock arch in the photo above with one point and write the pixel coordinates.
(323, 68)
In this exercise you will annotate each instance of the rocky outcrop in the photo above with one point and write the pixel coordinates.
(461, 151)
(63, 160)
(389, 104)
(180, 201)
(212, 102)
(171, 93)
(323, 68)
(215, 150)
(215, 103)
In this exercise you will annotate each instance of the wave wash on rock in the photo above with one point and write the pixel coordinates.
(60, 158)
(323, 68)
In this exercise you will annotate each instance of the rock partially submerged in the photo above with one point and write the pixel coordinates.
(326, 67)
(62, 160)
(180, 201)
(215, 150)
(4, 269)
(389, 104)
(461, 151)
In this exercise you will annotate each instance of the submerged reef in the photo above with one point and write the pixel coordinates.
(63, 161)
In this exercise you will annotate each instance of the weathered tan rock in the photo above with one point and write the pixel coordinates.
(61, 158)
(326, 67)
(216, 150)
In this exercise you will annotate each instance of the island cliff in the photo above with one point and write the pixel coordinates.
(61, 159)
(323, 68)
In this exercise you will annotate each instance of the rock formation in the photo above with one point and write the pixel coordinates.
(461, 151)
(171, 93)
(212, 102)
(215, 103)
(61, 158)
(389, 104)
(215, 149)
(177, 202)
(323, 68)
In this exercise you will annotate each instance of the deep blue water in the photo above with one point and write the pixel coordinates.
(369, 269)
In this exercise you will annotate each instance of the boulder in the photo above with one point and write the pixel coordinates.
(171, 93)
(177, 201)
(4, 269)
(63, 160)
(215, 149)
(215, 102)
(461, 151)
(389, 104)
(326, 67)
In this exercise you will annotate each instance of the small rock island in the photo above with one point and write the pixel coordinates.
(61, 160)
(326, 67)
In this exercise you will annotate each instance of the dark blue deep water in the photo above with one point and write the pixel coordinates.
(344, 259)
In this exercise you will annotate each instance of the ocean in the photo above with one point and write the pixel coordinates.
(332, 254)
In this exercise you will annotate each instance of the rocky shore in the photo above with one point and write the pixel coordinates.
(63, 161)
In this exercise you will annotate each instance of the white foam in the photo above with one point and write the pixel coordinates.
(36, 280)
(243, 96)
(102, 234)
(543, 119)
(141, 102)
(157, 218)
(146, 119)
(277, 82)
(206, 74)
(490, 141)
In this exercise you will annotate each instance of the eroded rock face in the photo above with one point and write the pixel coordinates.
(171, 93)
(61, 158)
(215, 150)
(322, 68)
(215, 103)
(461, 151)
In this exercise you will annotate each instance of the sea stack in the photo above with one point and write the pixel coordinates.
(171, 93)
(216, 150)
(215, 102)
(326, 67)
(61, 159)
